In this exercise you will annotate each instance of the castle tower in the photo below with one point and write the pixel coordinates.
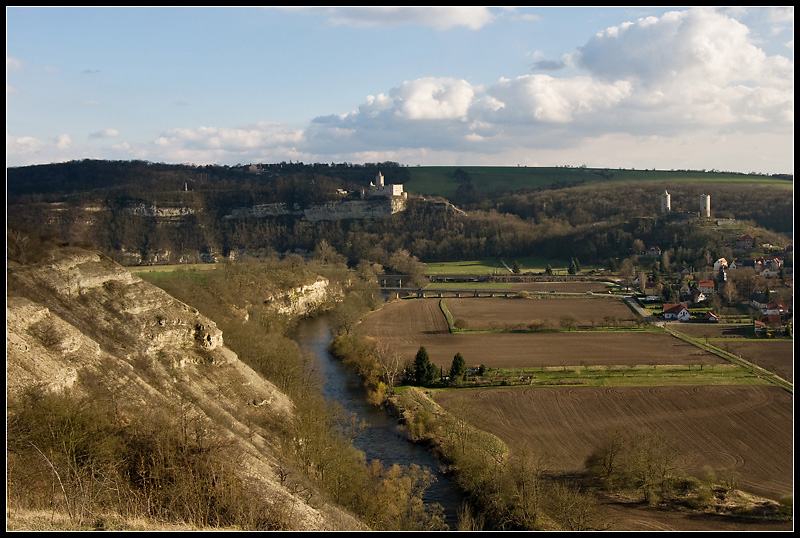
(665, 203)
(705, 205)
(379, 180)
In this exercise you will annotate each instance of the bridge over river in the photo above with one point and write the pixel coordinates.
(450, 292)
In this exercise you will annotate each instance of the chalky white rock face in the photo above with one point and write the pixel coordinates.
(79, 320)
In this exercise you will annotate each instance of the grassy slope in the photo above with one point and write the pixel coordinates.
(439, 180)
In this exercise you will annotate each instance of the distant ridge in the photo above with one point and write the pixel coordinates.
(442, 181)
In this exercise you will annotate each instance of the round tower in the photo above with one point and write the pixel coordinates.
(665, 203)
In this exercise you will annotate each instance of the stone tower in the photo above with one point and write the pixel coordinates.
(705, 205)
(665, 203)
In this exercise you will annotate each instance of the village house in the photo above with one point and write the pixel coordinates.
(707, 287)
(775, 308)
(653, 252)
(758, 301)
(697, 296)
(710, 317)
(744, 264)
(745, 242)
(769, 322)
(720, 264)
(684, 273)
(676, 311)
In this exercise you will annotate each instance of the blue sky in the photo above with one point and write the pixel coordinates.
(631, 87)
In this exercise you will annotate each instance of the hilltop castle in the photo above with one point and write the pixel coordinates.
(379, 188)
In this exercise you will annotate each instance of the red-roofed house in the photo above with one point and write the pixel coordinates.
(706, 286)
(678, 311)
(774, 308)
(745, 242)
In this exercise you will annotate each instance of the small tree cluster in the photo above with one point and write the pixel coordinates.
(645, 462)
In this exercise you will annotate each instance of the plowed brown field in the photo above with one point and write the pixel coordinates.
(490, 313)
(408, 324)
(747, 430)
(774, 355)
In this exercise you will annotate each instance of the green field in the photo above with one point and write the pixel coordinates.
(439, 180)
(495, 266)
(617, 376)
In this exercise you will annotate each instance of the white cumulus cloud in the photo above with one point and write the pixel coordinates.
(697, 44)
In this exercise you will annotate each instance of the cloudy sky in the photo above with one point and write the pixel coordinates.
(650, 87)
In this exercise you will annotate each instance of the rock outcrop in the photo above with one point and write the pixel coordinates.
(348, 209)
(80, 320)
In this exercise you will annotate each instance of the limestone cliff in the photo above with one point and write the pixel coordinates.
(351, 209)
(305, 300)
(79, 319)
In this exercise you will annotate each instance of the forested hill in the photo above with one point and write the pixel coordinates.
(144, 176)
(144, 213)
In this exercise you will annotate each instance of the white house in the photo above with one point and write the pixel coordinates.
(676, 311)
(720, 263)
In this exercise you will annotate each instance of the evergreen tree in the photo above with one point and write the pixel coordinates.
(458, 370)
(424, 371)
(573, 269)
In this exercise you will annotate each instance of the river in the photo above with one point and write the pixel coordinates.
(380, 439)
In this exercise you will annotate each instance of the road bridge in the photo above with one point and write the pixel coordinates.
(450, 292)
